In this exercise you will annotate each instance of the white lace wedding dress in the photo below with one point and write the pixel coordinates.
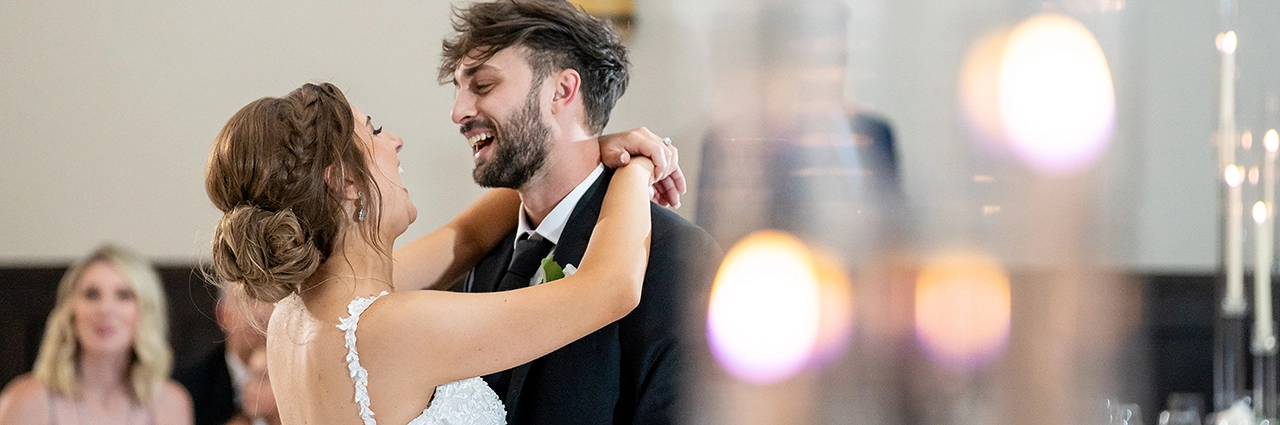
(465, 402)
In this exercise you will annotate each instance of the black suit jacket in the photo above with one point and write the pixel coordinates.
(207, 379)
(630, 371)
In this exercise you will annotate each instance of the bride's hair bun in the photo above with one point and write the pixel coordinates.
(268, 252)
(280, 170)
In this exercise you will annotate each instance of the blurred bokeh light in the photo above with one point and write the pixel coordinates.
(1056, 98)
(963, 309)
(763, 317)
(836, 311)
(979, 82)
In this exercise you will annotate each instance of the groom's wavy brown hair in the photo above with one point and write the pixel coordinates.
(556, 35)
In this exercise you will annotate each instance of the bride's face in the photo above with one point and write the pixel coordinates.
(382, 151)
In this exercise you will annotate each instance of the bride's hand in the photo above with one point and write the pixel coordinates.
(616, 150)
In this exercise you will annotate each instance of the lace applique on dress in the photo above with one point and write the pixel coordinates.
(466, 402)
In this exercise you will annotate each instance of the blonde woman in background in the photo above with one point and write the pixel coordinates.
(105, 355)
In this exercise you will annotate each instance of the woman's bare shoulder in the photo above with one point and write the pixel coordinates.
(173, 392)
(173, 405)
(24, 400)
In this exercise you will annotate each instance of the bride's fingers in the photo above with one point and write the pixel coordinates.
(666, 192)
(616, 149)
(672, 194)
(671, 158)
(678, 181)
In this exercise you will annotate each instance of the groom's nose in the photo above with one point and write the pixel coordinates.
(464, 107)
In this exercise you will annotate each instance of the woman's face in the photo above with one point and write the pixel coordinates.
(398, 211)
(105, 310)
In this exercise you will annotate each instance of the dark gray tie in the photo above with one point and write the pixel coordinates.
(528, 255)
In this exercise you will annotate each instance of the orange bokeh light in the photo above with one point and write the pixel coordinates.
(963, 309)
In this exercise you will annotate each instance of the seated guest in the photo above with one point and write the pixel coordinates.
(257, 401)
(105, 356)
(214, 380)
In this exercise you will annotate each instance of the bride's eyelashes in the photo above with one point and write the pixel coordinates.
(377, 131)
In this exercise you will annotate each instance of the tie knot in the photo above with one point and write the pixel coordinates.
(528, 255)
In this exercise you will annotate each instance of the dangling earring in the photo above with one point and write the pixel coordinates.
(360, 215)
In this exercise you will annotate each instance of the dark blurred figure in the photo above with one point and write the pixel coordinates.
(215, 380)
(848, 182)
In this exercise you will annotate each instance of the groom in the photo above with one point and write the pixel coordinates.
(536, 81)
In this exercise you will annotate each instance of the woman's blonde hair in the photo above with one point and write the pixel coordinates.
(56, 364)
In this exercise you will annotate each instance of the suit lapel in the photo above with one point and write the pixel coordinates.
(577, 231)
(490, 271)
(569, 250)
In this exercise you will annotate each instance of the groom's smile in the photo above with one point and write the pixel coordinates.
(479, 142)
(480, 135)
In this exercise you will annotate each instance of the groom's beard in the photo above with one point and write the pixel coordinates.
(519, 151)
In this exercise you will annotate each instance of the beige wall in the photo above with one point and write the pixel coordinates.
(111, 108)
(108, 109)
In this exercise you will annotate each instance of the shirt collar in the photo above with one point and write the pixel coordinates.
(239, 371)
(553, 225)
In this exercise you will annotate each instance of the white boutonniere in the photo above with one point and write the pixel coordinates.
(551, 270)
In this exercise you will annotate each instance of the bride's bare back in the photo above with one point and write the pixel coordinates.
(309, 371)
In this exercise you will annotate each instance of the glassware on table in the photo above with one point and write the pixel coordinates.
(1123, 413)
(1183, 409)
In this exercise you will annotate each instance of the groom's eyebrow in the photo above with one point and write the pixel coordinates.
(473, 70)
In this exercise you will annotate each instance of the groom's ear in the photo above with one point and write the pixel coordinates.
(331, 179)
(567, 83)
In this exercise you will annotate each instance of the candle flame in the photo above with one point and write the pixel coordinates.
(1227, 42)
(1271, 140)
(1233, 175)
(1246, 139)
(1259, 212)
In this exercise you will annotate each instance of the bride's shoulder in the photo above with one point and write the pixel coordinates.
(398, 305)
(402, 317)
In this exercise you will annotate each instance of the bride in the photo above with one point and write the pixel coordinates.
(313, 204)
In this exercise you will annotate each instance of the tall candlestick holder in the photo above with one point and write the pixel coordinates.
(1229, 324)
(1263, 345)
(1264, 379)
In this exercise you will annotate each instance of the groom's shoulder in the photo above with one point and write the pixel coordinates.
(670, 230)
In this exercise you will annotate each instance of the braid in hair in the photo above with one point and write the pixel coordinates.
(267, 173)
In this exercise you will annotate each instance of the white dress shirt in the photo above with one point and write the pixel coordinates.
(553, 225)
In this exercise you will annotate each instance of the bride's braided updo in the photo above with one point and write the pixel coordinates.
(266, 173)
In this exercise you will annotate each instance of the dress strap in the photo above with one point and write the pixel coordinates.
(359, 375)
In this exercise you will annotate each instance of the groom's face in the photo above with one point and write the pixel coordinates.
(500, 110)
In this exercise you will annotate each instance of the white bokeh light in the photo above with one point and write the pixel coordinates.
(1057, 101)
(762, 321)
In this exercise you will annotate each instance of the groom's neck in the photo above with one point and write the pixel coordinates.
(569, 162)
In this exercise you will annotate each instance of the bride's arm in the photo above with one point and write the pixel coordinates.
(443, 256)
(453, 336)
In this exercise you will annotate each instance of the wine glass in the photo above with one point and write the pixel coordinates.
(1183, 409)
